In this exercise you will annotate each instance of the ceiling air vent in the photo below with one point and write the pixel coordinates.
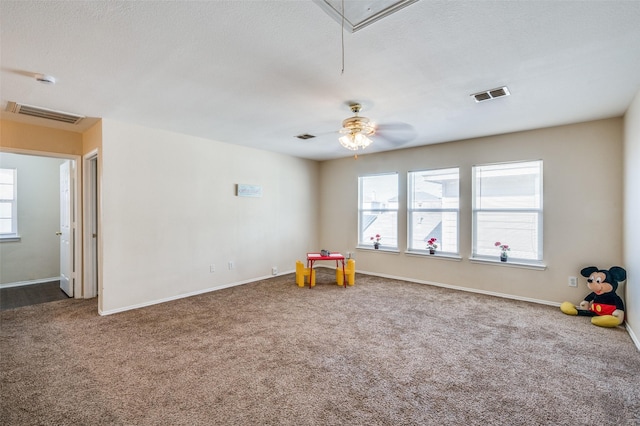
(49, 114)
(491, 94)
(305, 136)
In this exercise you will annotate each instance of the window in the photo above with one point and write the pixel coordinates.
(8, 204)
(507, 207)
(378, 210)
(433, 209)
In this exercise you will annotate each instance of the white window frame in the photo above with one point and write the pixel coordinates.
(12, 235)
(388, 242)
(442, 242)
(538, 211)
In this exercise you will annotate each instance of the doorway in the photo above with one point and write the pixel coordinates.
(72, 255)
(90, 211)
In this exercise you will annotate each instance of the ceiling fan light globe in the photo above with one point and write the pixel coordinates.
(361, 140)
(355, 141)
(347, 142)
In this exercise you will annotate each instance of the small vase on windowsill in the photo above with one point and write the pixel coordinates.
(503, 256)
(431, 245)
(376, 246)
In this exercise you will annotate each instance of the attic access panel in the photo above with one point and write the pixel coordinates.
(360, 13)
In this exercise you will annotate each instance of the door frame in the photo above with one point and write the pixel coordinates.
(91, 219)
(76, 241)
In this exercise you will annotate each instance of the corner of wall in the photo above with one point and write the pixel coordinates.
(92, 138)
(631, 236)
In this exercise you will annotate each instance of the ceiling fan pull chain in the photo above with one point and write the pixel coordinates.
(342, 38)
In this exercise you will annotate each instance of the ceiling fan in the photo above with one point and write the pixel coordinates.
(357, 131)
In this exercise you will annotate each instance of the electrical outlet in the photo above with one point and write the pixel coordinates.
(274, 270)
(231, 265)
(573, 282)
(212, 268)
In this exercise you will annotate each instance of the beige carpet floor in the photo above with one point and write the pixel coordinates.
(383, 352)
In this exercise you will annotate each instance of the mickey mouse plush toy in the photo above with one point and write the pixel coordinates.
(603, 304)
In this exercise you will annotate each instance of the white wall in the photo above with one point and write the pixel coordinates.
(631, 215)
(583, 207)
(37, 255)
(170, 210)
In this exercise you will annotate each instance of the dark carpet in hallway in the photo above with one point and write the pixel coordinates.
(16, 297)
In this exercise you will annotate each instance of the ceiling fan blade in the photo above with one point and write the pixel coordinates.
(396, 126)
(395, 134)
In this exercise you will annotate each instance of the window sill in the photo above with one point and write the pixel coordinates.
(10, 238)
(386, 250)
(510, 263)
(441, 256)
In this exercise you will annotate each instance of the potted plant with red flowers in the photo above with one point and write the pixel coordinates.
(504, 248)
(376, 241)
(432, 245)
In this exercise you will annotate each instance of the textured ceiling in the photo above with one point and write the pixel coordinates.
(257, 73)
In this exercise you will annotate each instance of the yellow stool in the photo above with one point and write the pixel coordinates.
(349, 271)
(301, 273)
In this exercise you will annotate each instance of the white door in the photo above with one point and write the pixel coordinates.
(66, 245)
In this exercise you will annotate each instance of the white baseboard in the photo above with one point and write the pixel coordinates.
(467, 289)
(30, 282)
(633, 336)
(182, 296)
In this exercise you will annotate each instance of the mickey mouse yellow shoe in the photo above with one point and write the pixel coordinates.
(606, 321)
(568, 308)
